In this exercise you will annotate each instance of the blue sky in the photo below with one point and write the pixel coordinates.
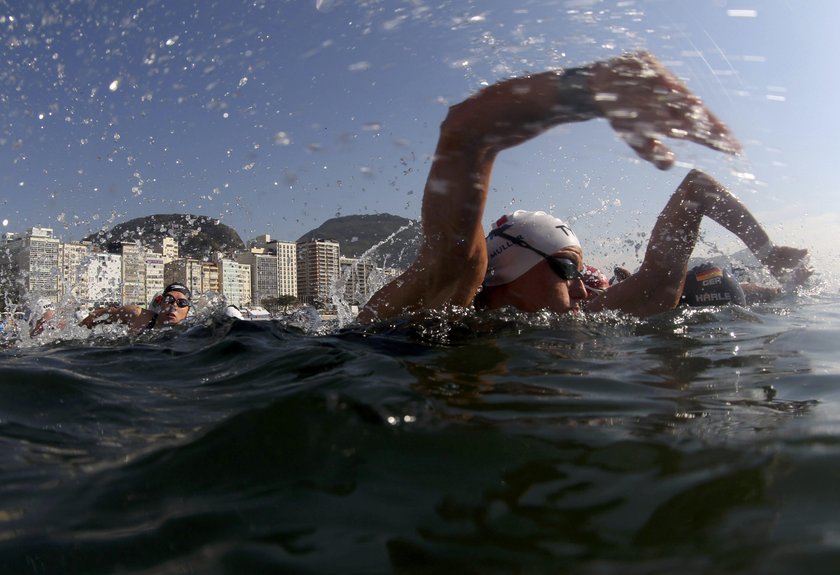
(275, 116)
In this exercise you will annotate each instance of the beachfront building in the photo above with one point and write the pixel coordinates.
(235, 281)
(287, 270)
(133, 273)
(37, 257)
(318, 272)
(209, 277)
(286, 253)
(167, 247)
(74, 280)
(198, 276)
(263, 273)
(154, 274)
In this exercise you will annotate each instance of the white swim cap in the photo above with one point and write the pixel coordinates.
(507, 260)
(233, 312)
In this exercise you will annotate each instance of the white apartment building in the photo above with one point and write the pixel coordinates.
(235, 281)
(169, 249)
(287, 271)
(74, 279)
(263, 274)
(154, 275)
(319, 272)
(38, 262)
(133, 273)
(286, 253)
(198, 276)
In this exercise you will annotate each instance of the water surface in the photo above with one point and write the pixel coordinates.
(698, 441)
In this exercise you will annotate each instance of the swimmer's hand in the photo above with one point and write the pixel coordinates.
(789, 265)
(644, 102)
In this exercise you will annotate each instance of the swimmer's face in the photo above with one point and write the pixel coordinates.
(173, 308)
(541, 288)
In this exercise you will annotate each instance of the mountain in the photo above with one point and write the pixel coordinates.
(386, 239)
(198, 237)
(390, 240)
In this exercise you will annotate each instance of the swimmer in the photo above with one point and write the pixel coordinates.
(636, 94)
(665, 266)
(520, 241)
(744, 293)
(710, 285)
(173, 308)
(594, 281)
(705, 285)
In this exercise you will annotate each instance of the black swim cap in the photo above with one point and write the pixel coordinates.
(181, 288)
(708, 284)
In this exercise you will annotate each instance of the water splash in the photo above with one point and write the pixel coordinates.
(373, 278)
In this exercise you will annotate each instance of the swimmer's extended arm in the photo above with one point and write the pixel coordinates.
(658, 284)
(131, 315)
(38, 328)
(640, 98)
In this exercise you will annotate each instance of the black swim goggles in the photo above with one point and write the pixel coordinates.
(169, 300)
(565, 268)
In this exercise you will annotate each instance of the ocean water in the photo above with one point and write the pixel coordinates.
(700, 441)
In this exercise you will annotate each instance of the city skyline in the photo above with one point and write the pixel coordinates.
(312, 272)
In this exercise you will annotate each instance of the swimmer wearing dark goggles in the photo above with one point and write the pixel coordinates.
(170, 299)
(565, 268)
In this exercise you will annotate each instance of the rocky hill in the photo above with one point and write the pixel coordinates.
(198, 237)
(387, 240)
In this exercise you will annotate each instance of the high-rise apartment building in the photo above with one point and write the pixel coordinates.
(39, 265)
(198, 276)
(286, 253)
(169, 249)
(74, 280)
(286, 268)
(263, 274)
(209, 277)
(154, 274)
(235, 281)
(133, 273)
(319, 272)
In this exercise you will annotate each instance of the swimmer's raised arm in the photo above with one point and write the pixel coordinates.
(644, 103)
(641, 99)
(658, 284)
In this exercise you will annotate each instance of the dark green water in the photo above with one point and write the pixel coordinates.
(697, 442)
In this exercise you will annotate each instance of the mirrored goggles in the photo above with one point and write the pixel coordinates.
(180, 302)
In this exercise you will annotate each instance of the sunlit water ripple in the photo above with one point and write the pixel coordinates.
(699, 441)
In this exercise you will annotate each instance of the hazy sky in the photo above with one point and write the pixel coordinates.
(275, 116)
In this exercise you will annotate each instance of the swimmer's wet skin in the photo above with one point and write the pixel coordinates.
(455, 260)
